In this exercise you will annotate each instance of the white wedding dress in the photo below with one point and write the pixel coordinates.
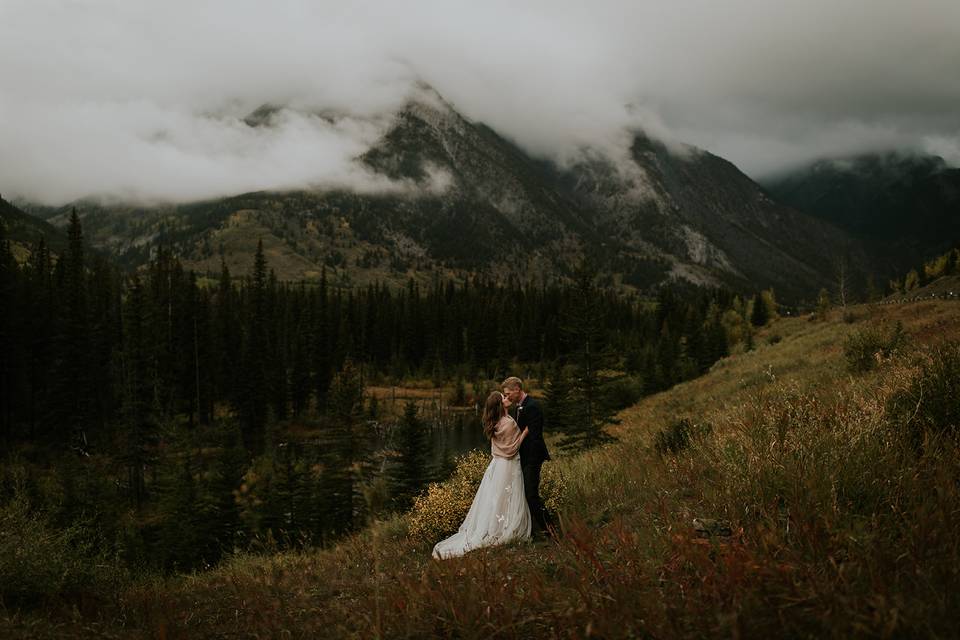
(499, 512)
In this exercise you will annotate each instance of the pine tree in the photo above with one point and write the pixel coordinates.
(228, 348)
(459, 393)
(344, 409)
(591, 360)
(75, 350)
(759, 316)
(138, 424)
(950, 268)
(228, 472)
(715, 344)
(9, 363)
(285, 502)
(300, 372)
(923, 279)
(770, 299)
(561, 401)
(39, 334)
(179, 543)
(408, 471)
(666, 359)
(323, 343)
(278, 328)
(256, 352)
(823, 304)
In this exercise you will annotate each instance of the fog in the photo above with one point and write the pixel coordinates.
(146, 101)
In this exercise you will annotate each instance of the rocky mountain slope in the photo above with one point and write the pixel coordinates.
(473, 201)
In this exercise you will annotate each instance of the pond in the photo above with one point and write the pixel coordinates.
(456, 434)
(456, 437)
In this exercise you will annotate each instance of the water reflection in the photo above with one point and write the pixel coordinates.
(455, 434)
(455, 438)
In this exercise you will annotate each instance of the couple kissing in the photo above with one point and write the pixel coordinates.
(507, 505)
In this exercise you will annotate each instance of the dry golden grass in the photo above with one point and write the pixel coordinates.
(838, 528)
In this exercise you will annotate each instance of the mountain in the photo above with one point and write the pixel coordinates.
(713, 222)
(904, 207)
(23, 230)
(468, 200)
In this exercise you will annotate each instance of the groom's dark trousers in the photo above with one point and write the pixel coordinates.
(533, 453)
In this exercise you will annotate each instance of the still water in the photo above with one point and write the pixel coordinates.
(452, 436)
(458, 436)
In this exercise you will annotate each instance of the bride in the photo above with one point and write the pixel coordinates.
(499, 512)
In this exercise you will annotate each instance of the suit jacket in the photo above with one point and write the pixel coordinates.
(529, 415)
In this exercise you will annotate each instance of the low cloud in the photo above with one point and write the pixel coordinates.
(147, 101)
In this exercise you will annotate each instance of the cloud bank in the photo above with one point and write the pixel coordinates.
(146, 100)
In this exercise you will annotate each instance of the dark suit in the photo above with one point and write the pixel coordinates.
(533, 453)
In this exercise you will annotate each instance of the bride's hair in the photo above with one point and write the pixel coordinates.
(492, 412)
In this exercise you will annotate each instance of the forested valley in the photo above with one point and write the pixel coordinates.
(165, 419)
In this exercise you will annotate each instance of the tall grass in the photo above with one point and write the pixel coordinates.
(840, 526)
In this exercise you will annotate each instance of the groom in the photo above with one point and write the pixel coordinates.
(533, 450)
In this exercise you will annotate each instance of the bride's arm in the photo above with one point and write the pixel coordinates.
(523, 435)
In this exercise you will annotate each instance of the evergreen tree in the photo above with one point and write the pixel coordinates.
(300, 381)
(345, 406)
(760, 315)
(873, 293)
(138, 424)
(323, 343)
(279, 323)
(950, 268)
(823, 304)
(73, 391)
(39, 335)
(592, 362)
(666, 359)
(9, 362)
(561, 401)
(256, 394)
(408, 472)
(714, 346)
(228, 337)
(923, 279)
(459, 393)
(228, 473)
(770, 300)
(179, 544)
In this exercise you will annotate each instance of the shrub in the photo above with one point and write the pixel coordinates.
(677, 436)
(866, 348)
(439, 512)
(625, 392)
(39, 563)
(931, 402)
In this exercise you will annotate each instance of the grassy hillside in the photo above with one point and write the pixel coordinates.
(826, 496)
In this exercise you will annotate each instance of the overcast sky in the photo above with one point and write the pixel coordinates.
(145, 100)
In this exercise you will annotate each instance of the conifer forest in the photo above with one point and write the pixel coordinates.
(170, 418)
